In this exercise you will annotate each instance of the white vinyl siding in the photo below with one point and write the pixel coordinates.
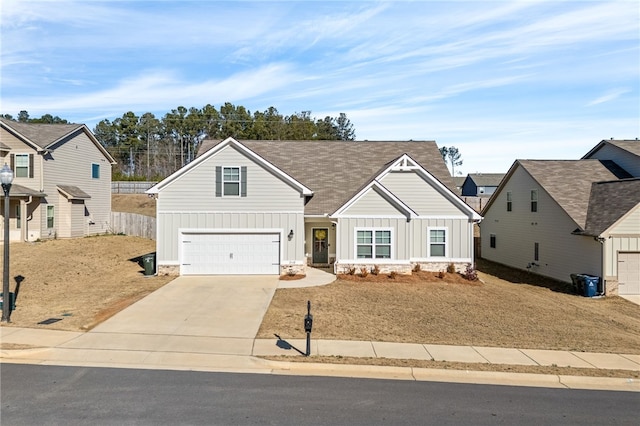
(196, 189)
(419, 195)
(372, 204)
(551, 227)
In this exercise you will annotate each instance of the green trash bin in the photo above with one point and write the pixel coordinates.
(149, 264)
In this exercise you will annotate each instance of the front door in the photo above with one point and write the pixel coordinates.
(320, 245)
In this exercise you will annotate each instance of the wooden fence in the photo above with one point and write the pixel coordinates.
(130, 187)
(136, 225)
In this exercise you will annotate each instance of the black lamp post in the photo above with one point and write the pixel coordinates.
(6, 177)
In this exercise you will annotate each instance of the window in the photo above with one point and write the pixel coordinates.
(534, 200)
(492, 240)
(536, 252)
(231, 181)
(509, 201)
(95, 171)
(373, 244)
(22, 165)
(49, 216)
(18, 218)
(437, 242)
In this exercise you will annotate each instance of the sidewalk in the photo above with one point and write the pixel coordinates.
(201, 353)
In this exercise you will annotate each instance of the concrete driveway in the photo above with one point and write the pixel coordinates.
(213, 306)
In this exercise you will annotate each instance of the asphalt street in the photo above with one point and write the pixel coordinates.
(32, 394)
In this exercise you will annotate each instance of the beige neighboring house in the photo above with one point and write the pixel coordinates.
(275, 207)
(62, 184)
(561, 217)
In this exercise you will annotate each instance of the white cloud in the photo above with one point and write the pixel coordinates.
(609, 96)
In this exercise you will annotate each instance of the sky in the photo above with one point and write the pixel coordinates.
(500, 81)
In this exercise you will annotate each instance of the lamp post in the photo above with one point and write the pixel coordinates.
(6, 178)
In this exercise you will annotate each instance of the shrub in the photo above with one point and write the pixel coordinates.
(451, 268)
(441, 274)
(417, 268)
(375, 270)
(364, 272)
(393, 275)
(351, 270)
(470, 273)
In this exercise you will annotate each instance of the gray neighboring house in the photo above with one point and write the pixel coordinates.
(274, 207)
(62, 184)
(558, 217)
(480, 184)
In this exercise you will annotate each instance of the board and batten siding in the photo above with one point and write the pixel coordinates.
(195, 190)
(70, 163)
(624, 236)
(459, 239)
(419, 195)
(400, 235)
(170, 223)
(560, 252)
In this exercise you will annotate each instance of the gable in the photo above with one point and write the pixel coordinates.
(193, 187)
(629, 224)
(372, 203)
(626, 154)
(12, 142)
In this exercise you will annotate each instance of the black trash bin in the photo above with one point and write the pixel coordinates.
(149, 264)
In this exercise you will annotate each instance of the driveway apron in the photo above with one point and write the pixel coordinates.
(210, 306)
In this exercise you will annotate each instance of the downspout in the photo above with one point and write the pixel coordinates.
(27, 218)
(603, 263)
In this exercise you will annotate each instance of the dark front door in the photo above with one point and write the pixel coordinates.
(320, 245)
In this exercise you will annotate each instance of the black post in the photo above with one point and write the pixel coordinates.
(6, 295)
(308, 325)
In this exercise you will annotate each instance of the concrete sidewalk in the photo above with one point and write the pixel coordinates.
(201, 353)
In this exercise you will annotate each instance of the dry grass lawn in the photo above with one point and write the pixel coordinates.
(133, 203)
(82, 281)
(508, 309)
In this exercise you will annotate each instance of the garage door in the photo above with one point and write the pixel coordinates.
(230, 254)
(628, 273)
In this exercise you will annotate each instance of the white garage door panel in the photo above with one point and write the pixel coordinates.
(628, 273)
(230, 254)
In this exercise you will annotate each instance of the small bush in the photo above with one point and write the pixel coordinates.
(451, 268)
(351, 270)
(375, 270)
(364, 272)
(291, 272)
(393, 275)
(417, 268)
(441, 274)
(470, 273)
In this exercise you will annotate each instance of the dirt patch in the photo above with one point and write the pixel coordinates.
(527, 312)
(133, 203)
(80, 281)
(412, 363)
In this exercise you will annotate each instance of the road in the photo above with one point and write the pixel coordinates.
(71, 396)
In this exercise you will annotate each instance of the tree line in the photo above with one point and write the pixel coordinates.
(148, 147)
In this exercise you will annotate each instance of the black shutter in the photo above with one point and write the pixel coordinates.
(12, 163)
(31, 166)
(243, 181)
(218, 181)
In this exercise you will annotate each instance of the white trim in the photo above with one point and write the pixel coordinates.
(440, 259)
(246, 151)
(446, 241)
(373, 242)
(444, 217)
(373, 261)
(361, 216)
(227, 211)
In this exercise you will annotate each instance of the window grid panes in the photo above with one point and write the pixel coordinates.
(509, 201)
(231, 181)
(22, 165)
(437, 242)
(50, 217)
(534, 200)
(373, 244)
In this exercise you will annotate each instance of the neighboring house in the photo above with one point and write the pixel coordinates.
(481, 184)
(559, 217)
(458, 181)
(62, 183)
(274, 207)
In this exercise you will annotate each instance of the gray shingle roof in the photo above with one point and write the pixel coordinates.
(73, 192)
(609, 201)
(486, 179)
(42, 135)
(23, 191)
(336, 170)
(569, 182)
(633, 146)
